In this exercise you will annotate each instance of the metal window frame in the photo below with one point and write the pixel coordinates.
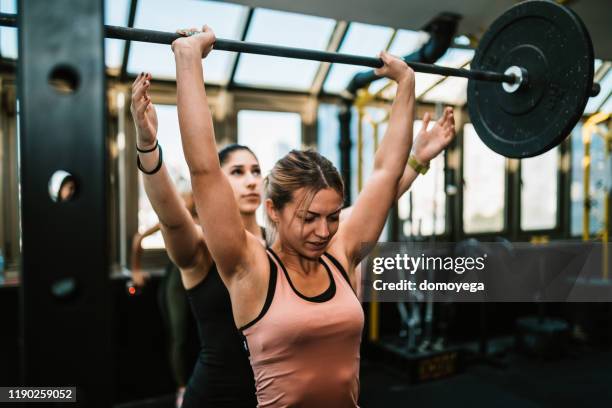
(126, 50)
(231, 83)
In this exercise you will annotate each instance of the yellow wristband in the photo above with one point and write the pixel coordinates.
(418, 167)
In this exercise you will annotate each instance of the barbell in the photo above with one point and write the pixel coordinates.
(529, 81)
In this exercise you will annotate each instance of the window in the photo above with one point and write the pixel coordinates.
(361, 39)
(451, 91)
(427, 202)
(374, 123)
(483, 185)
(169, 137)
(539, 191)
(298, 31)
(226, 19)
(115, 13)
(8, 35)
(455, 58)
(599, 180)
(371, 115)
(595, 103)
(422, 208)
(270, 135)
(607, 106)
(328, 133)
(438, 89)
(405, 43)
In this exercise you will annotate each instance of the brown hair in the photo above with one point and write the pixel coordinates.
(226, 152)
(298, 169)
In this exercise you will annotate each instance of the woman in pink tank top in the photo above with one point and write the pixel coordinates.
(295, 301)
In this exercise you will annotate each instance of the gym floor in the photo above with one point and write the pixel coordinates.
(581, 380)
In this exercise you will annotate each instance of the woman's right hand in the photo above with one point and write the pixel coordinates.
(200, 40)
(143, 112)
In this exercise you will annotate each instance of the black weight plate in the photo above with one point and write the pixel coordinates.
(552, 44)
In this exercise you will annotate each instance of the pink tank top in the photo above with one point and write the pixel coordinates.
(305, 350)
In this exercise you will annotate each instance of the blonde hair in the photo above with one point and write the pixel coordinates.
(300, 169)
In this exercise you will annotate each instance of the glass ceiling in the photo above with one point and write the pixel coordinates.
(8, 35)
(299, 31)
(437, 88)
(229, 20)
(115, 13)
(361, 39)
(454, 57)
(405, 42)
(451, 91)
(607, 107)
(226, 19)
(597, 64)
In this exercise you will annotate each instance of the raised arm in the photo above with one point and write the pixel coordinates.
(183, 241)
(219, 216)
(428, 144)
(370, 210)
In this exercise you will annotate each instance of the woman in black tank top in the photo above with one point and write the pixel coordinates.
(222, 376)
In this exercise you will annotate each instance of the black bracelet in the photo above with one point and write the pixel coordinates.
(159, 162)
(148, 150)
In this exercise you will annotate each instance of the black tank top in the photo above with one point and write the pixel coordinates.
(222, 376)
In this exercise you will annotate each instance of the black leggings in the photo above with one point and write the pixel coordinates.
(175, 312)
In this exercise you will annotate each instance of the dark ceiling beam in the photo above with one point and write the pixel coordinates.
(335, 42)
(126, 49)
(247, 24)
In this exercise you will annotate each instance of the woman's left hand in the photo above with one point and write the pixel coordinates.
(429, 143)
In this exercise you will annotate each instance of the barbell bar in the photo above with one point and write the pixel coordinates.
(161, 37)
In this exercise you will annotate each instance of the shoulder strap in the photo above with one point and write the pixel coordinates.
(339, 266)
(269, 296)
